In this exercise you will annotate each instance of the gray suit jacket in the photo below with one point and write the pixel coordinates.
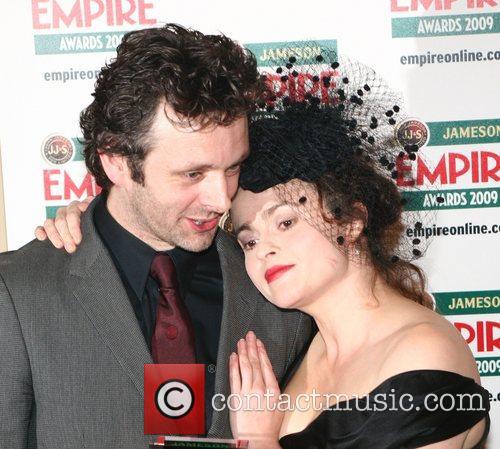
(72, 352)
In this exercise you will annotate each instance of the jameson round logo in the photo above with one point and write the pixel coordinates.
(57, 149)
(412, 132)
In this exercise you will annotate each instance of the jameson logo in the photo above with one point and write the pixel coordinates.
(466, 303)
(464, 132)
(78, 14)
(57, 149)
(305, 52)
(412, 132)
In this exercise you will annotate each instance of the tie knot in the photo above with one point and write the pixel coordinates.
(163, 271)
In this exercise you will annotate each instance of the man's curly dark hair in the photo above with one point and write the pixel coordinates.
(206, 79)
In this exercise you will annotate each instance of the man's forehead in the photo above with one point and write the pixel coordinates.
(166, 125)
(192, 125)
(208, 160)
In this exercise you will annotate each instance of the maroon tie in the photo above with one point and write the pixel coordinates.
(173, 336)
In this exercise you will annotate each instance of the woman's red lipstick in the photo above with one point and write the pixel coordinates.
(275, 272)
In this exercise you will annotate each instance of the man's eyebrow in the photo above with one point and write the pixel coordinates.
(266, 214)
(242, 158)
(200, 167)
(203, 167)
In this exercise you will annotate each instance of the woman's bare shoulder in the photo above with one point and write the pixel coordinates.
(428, 341)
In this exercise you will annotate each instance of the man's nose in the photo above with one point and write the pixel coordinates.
(215, 195)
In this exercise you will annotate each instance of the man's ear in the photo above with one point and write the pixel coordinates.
(116, 168)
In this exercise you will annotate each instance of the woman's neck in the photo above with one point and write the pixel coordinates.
(347, 313)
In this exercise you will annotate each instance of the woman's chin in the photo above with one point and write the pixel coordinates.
(283, 301)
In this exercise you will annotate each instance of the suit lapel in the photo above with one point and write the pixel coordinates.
(239, 308)
(97, 286)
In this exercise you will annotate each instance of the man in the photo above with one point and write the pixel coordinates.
(153, 279)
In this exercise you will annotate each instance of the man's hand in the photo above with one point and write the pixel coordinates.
(64, 230)
(252, 378)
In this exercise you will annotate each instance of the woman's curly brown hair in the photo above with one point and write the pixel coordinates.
(206, 79)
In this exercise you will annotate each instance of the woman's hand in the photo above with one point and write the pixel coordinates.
(252, 379)
(65, 230)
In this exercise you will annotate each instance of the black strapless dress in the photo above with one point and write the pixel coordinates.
(362, 423)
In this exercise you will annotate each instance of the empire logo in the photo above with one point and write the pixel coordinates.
(55, 14)
(474, 167)
(61, 185)
(480, 335)
(439, 5)
(425, 18)
(299, 85)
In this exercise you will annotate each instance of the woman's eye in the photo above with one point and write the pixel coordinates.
(249, 245)
(285, 224)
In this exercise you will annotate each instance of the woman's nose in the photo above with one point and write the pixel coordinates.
(266, 249)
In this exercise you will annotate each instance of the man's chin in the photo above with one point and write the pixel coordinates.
(197, 242)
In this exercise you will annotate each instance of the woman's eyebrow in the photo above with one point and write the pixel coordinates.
(266, 214)
(243, 227)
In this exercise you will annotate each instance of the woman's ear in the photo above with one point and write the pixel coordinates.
(116, 168)
(358, 223)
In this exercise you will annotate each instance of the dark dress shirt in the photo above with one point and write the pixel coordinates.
(200, 283)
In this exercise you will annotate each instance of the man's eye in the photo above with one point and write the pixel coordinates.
(234, 169)
(193, 174)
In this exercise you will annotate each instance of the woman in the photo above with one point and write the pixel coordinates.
(376, 333)
(321, 223)
(320, 220)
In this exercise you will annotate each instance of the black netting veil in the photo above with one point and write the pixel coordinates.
(326, 139)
